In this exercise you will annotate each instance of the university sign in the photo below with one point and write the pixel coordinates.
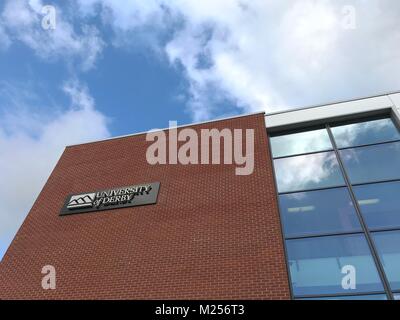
(122, 197)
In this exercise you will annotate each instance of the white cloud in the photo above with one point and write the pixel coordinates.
(4, 39)
(305, 172)
(258, 54)
(31, 142)
(270, 54)
(22, 20)
(128, 14)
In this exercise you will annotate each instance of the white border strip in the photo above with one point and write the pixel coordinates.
(330, 112)
(390, 93)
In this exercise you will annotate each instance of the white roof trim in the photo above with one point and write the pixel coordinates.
(336, 111)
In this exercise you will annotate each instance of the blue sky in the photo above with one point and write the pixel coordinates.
(135, 89)
(114, 67)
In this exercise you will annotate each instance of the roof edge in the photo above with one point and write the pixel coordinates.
(167, 128)
(332, 103)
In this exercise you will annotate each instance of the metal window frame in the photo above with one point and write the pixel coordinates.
(375, 182)
(334, 295)
(365, 230)
(303, 154)
(297, 130)
(369, 144)
(325, 234)
(368, 237)
(341, 185)
(314, 189)
(384, 230)
(362, 118)
(340, 149)
(280, 220)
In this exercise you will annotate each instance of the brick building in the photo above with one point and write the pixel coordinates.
(322, 196)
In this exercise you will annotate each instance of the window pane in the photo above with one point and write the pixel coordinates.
(373, 163)
(374, 131)
(308, 172)
(388, 246)
(316, 264)
(302, 142)
(397, 297)
(361, 297)
(380, 204)
(316, 212)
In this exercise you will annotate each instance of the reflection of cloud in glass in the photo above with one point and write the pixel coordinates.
(365, 132)
(297, 196)
(308, 172)
(350, 155)
(303, 142)
(372, 163)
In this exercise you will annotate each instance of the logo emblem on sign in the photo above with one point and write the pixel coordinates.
(81, 201)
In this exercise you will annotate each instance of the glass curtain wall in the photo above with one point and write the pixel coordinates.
(339, 200)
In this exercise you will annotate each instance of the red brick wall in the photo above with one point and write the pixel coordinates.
(212, 234)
